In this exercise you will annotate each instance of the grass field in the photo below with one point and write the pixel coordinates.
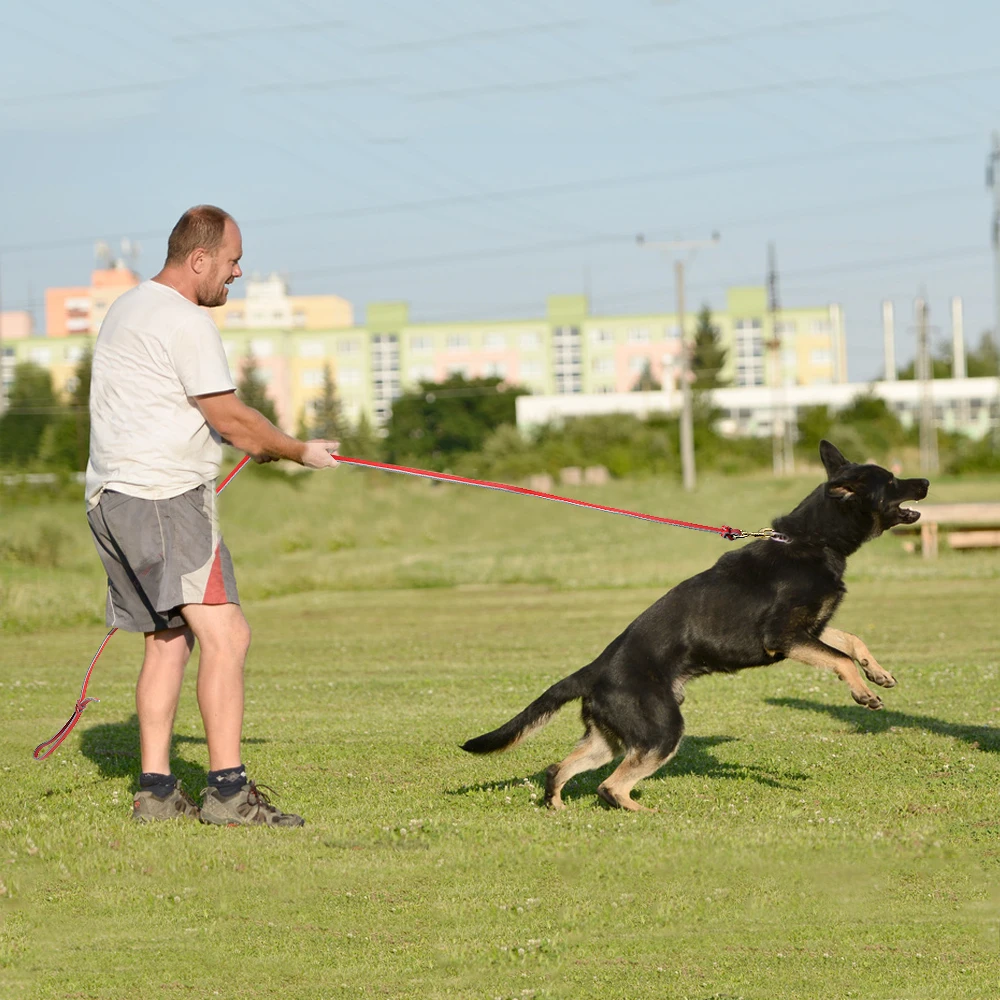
(804, 847)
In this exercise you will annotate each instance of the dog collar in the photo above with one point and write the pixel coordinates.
(777, 536)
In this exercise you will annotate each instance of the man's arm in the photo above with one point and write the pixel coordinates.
(249, 430)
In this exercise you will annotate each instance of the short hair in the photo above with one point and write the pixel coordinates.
(200, 227)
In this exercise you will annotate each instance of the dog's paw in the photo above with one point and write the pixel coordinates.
(877, 675)
(867, 700)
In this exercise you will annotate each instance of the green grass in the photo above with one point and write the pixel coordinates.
(803, 847)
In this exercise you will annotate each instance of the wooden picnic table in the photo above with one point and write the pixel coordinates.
(972, 525)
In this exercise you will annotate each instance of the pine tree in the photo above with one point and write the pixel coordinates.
(645, 382)
(253, 391)
(328, 417)
(32, 406)
(709, 355)
(66, 441)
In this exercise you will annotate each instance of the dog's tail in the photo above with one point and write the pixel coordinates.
(536, 715)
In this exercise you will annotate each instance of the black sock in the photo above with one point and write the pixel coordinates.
(161, 785)
(228, 781)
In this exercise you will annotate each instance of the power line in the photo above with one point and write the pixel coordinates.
(485, 34)
(535, 190)
(763, 29)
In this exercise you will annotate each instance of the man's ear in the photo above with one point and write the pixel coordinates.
(833, 461)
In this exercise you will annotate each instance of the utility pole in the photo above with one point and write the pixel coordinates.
(928, 431)
(993, 181)
(687, 415)
(782, 430)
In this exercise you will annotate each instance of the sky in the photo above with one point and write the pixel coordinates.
(473, 159)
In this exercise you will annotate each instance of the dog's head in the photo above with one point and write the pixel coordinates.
(871, 490)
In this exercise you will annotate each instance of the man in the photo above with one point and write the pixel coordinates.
(162, 400)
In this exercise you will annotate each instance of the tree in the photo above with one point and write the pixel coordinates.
(253, 390)
(32, 406)
(441, 420)
(66, 441)
(645, 382)
(328, 417)
(709, 355)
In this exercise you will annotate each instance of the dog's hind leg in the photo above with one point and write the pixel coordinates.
(814, 653)
(594, 750)
(857, 650)
(640, 762)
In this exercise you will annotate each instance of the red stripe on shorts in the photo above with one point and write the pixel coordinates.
(215, 589)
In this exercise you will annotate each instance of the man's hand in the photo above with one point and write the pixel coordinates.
(317, 454)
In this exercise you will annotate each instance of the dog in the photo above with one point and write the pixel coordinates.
(766, 602)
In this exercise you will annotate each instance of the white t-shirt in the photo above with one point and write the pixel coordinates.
(155, 351)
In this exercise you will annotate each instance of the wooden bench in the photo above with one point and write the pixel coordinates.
(967, 526)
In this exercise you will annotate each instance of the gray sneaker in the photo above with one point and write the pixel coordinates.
(248, 807)
(147, 808)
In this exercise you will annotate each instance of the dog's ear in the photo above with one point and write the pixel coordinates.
(833, 461)
(841, 489)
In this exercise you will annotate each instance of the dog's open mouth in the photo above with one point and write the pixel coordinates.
(908, 515)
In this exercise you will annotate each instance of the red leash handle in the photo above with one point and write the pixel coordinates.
(81, 703)
(724, 530)
(44, 750)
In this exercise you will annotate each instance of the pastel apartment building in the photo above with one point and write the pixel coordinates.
(566, 350)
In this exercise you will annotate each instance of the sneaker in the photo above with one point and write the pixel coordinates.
(147, 808)
(248, 807)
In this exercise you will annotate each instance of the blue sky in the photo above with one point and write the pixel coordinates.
(473, 158)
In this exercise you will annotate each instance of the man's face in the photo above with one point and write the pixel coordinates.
(223, 268)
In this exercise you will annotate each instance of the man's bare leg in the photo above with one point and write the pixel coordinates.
(223, 637)
(157, 693)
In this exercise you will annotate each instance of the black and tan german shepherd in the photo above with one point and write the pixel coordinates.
(768, 601)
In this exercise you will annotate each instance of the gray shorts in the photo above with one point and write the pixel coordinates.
(160, 555)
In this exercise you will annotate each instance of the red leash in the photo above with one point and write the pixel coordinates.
(730, 534)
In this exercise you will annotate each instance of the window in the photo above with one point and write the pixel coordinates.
(602, 336)
(73, 354)
(420, 344)
(603, 366)
(457, 341)
(310, 348)
(495, 369)
(312, 377)
(298, 318)
(749, 344)
(261, 348)
(348, 346)
(820, 357)
(638, 363)
(495, 341)
(785, 327)
(638, 335)
(348, 376)
(820, 326)
(234, 318)
(531, 369)
(40, 356)
(531, 341)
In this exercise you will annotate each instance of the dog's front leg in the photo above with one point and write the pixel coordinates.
(815, 653)
(855, 648)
